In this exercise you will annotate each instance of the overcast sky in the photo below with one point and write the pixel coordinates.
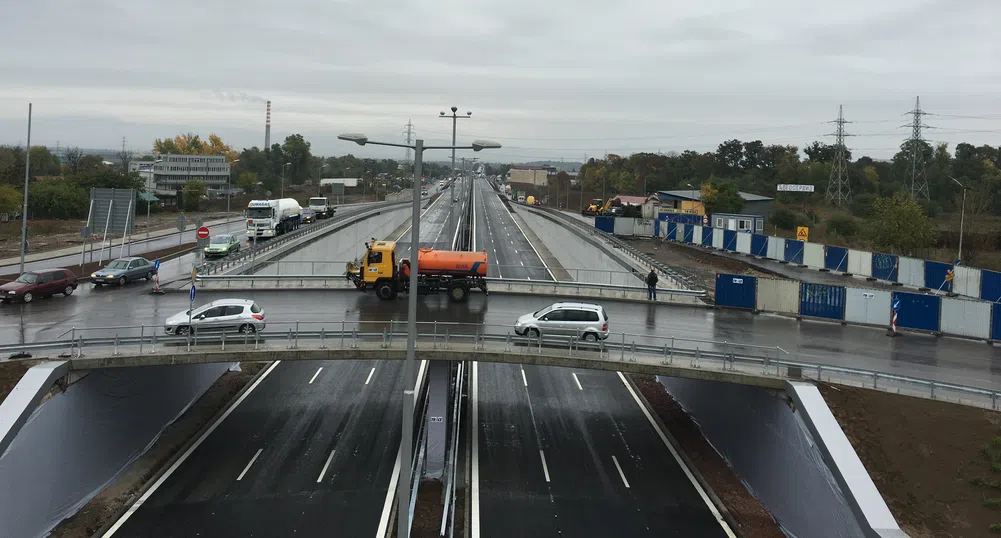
(548, 80)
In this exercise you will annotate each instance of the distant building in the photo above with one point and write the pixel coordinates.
(173, 171)
(537, 176)
(690, 201)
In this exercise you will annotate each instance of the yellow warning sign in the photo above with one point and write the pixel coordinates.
(802, 233)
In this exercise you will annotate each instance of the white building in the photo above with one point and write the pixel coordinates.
(173, 171)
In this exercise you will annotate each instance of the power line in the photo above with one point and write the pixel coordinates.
(918, 177)
(839, 189)
(410, 134)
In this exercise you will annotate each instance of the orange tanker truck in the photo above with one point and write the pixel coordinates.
(437, 270)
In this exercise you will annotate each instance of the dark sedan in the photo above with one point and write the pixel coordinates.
(123, 270)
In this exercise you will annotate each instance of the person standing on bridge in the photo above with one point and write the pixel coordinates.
(651, 285)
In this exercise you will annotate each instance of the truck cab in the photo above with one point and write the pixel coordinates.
(454, 272)
(321, 207)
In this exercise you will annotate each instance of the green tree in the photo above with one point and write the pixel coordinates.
(899, 225)
(842, 225)
(247, 182)
(57, 199)
(10, 199)
(43, 162)
(296, 151)
(722, 197)
(73, 157)
(90, 162)
(104, 177)
(194, 189)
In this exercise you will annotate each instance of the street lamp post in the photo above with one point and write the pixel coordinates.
(962, 217)
(409, 368)
(24, 208)
(283, 178)
(149, 197)
(693, 196)
(229, 185)
(454, 117)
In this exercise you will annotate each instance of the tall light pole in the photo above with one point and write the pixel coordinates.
(149, 197)
(409, 368)
(229, 184)
(693, 196)
(283, 178)
(24, 208)
(454, 117)
(962, 217)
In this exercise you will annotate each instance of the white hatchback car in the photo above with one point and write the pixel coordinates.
(229, 315)
(588, 321)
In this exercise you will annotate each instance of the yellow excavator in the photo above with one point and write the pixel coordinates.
(594, 208)
(610, 207)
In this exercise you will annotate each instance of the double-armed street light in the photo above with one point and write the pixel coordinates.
(409, 370)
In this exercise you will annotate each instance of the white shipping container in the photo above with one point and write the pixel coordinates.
(967, 281)
(868, 307)
(776, 248)
(744, 243)
(911, 271)
(964, 317)
(813, 255)
(776, 295)
(860, 262)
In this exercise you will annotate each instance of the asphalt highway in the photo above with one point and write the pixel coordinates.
(508, 251)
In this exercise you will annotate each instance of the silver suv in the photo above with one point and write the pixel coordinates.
(588, 321)
(229, 315)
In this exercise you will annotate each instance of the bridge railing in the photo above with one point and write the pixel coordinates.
(111, 343)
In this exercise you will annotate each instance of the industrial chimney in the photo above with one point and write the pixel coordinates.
(267, 128)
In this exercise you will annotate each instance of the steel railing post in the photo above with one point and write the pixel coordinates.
(296, 334)
(932, 385)
(115, 352)
(507, 341)
(434, 337)
(142, 336)
(622, 347)
(79, 348)
(257, 339)
(342, 334)
(152, 344)
(354, 338)
(323, 338)
(632, 351)
(246, 337)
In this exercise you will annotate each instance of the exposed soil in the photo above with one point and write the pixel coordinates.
(10, 373)
(699, 264)
(753, 520)
(107, 504)
(937, 464)
(428, 509)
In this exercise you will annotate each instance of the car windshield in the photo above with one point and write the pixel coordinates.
(543, 311)
(27, 278)
(259, 213)
(220, 240)
(118, 264)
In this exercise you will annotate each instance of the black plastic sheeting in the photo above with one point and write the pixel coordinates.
(773, 452)
(78, 442)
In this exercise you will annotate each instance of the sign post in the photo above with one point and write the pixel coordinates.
(191, 306)
(802, 233)
(893, 318)
(156, 282)
(180, 229)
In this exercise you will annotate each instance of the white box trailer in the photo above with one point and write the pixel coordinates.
(269, 218)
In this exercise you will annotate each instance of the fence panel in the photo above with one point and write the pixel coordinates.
(793, 251)
(884, 266)
(911, 271)
(935, 275)
(966, 318)
(672, 230)
(644, 227)
(860, 262)
(777, 295)
(744, 243)
(718, 238)
(869, 307)
(996, 321)
(990, 286)
(697, 235)
(729, 240)
(836, 259)
(813, 255)
(822, 301)
(759, 245)
(917, 310)
(679, 232)
(707, 236)
(967, 281)
(736, 291)
(605, 224)
(690, 232)
(624, 226)
(776, 248)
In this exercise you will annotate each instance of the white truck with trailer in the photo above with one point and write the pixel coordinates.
(270, 218)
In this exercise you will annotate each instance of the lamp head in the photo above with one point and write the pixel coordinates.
(357, 138)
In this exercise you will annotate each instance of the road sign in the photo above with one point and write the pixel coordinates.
(705, 220)
(194, 274)
(156, 264)
(180, 222)
(802, 233)
(784, 187)
(896, 305)
(203, 233)
(191, 295)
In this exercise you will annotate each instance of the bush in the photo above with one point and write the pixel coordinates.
(843, 226)
(932, 208)
(861, 205)
(57, 199)
(784, 219)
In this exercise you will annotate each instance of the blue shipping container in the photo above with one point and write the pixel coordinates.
(917, 311)
(793, 251)
(689, 233)
(996, 326)
(759, 245)
(736, 291)
(672, 230)
(884, 266)
(707, 236)
(729, 240)
(935, 273)
(822, 301)
(990, 286)
(605, 224)
(836, 259)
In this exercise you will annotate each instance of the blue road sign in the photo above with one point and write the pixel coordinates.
(156, 264)
(895, 306)
(191, 296)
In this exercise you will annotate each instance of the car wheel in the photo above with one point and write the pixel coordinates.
(247, 328)
(534, 333)
(458, 293)
(385, 291)
(97, 284)
(590, 337)
(122, 281)
(68, 291)
(149, 275)
(183, 331)
(28, 297)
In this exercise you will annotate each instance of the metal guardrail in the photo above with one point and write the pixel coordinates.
(622, 347)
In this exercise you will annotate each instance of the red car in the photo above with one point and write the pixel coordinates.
(44, 283)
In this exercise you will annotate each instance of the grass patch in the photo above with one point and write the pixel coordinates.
(996, 527)
(991, 503)
(991, 451)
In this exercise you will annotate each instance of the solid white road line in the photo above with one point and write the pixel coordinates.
(576, 380)
(327, 466)
(314, 375)
(621, 474)
(523, 378)
(149, 493)
(369, 378)
(522, 264)
(545, 468)
(691, 478)
(515, 221)
(247, 468)
(474, 507)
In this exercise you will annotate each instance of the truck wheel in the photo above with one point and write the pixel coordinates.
(458, 293)
(385, 291)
